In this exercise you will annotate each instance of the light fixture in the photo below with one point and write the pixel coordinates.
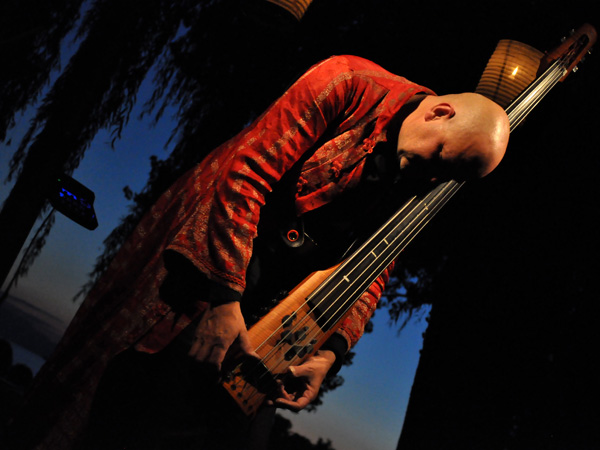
(511, 68)
(296, 7)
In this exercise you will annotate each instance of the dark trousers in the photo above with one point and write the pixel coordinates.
(166, 401)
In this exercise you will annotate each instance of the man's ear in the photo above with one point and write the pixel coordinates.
(440, 111)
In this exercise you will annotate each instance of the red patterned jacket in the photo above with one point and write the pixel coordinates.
(331, 118)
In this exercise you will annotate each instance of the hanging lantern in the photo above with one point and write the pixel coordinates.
(296, 7)
(512, 67)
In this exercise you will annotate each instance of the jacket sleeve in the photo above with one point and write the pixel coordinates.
(222, 208)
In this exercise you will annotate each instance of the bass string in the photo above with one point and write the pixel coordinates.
(525, 103)
(364, 279)
(390, 253)
(342, 266)
(539, 93)
(378, 265)
(305, 318)
(280, 362)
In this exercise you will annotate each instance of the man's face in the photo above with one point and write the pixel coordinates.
(419, 153)
(432, 151)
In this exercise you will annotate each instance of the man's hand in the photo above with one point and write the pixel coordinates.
(305, 381)
(220, 327)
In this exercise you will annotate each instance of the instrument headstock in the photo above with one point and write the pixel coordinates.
(572, 50)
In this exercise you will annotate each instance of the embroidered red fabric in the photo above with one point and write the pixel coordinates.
(331, 117)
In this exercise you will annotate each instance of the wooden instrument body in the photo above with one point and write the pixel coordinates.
(286, 336)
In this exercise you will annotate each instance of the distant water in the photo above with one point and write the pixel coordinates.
(23, 356)
(32, 332)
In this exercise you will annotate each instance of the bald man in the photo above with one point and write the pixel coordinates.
(213, 252)
(456, 136)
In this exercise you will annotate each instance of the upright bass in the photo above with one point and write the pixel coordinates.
(297, 327)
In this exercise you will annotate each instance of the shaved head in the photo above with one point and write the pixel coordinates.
(484, 123)
(458, 136)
